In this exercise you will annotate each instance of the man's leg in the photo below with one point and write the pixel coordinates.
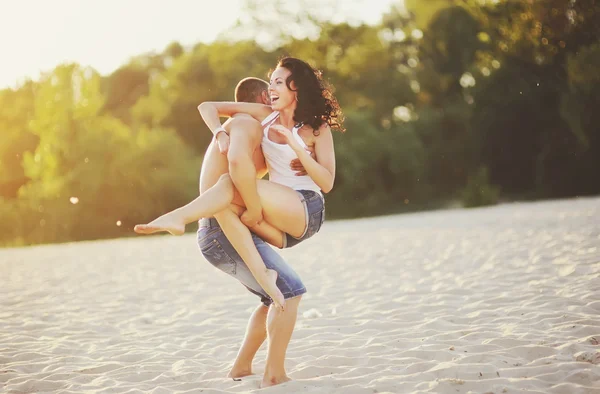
(256, 333)
(214, 165)
(282, 208)
(244, 141)
(280, 327)
(242, 162)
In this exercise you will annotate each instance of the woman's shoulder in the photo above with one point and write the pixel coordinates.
(311, 136)
(270, 116)
(324, 129)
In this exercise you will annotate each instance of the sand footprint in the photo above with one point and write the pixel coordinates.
(588, 357)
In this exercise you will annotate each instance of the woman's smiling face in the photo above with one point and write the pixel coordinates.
(281, 96)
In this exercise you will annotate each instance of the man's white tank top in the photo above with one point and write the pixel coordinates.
(279, 156)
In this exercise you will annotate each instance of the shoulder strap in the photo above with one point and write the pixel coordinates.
(272, 116)
(297, 136)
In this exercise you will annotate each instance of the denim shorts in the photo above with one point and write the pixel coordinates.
(217, 249)
(314, 209)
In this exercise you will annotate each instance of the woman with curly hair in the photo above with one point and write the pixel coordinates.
(299, 120)
(303, 110)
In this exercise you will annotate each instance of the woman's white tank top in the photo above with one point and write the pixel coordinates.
(279, 156)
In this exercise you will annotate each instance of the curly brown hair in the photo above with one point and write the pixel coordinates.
(316, 103)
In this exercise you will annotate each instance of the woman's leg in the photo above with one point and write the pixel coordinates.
(256, 333)
(280, 325)
(283, 208)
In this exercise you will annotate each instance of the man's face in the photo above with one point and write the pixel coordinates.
(264, 98)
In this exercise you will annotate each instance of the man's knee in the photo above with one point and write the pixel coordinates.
(242, 146)
(239, 157)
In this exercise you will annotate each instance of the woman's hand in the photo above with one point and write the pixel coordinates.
(285, 133)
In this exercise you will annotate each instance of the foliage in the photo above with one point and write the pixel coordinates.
(449, 98)
(478, 191)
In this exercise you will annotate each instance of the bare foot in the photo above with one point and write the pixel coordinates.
(273, 380)
(273, 291)
(239, 373)
(164, 223)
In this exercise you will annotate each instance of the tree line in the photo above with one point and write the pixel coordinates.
(473, 101)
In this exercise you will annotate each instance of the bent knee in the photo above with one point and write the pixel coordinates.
(238, 158)
(226, 179)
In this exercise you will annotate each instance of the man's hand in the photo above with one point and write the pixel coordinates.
(223, 142)
(252, 218)
(296, 164)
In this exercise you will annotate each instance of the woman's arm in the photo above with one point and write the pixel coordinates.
(212, 110)
(322, 170)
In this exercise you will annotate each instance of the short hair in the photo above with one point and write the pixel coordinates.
(248, 89)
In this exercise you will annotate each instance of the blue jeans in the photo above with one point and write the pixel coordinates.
(314, 211)
(217, 249)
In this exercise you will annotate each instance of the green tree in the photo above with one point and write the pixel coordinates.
(16, 108)
(92, 176)
(206, 73)
(527, 113)
(377, 169)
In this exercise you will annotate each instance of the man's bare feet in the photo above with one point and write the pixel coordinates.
(272, 289)
(269, 381)
(164, 223)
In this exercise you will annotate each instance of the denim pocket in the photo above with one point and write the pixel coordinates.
(316, 211)
(214, 253)
(205, 235)
(312, 196)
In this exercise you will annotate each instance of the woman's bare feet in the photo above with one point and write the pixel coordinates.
(239, 373)
(167, 222)
(269, 381)
(272, 289)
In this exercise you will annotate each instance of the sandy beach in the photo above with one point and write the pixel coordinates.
(503, 299)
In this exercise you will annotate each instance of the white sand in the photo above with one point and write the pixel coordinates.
(503, 299)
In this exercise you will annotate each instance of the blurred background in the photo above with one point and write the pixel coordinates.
(447, 103)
